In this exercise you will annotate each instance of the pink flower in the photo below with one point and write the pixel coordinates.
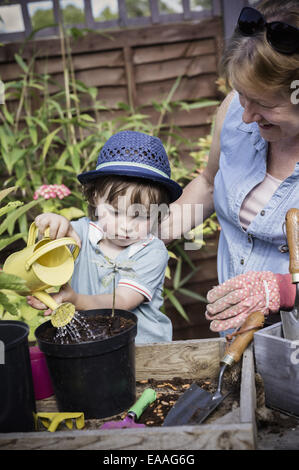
(51, 191)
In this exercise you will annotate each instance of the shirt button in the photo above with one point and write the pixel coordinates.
(263, 212)
(242, 261)
(249, 238)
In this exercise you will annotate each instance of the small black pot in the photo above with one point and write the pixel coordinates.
(96, 377)
(17, 402)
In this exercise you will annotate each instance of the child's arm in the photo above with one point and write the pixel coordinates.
(125, 299)
(59, 226)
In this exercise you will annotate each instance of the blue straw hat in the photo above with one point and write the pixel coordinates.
(131, 153)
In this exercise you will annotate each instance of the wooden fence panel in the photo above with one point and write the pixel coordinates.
(137, 67)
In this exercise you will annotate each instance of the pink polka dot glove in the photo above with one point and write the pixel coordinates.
(230, 303)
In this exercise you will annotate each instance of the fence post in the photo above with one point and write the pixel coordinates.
(154, 11)
(89, 19)
(186, 8)
(231, 11)
(26, 18)
(122, 11)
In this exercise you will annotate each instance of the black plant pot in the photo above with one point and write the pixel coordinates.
(96, 377)
(17, 402)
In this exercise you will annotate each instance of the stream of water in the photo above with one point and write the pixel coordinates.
(70, 333)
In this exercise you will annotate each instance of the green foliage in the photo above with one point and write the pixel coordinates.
(21, 312)
(57, 138)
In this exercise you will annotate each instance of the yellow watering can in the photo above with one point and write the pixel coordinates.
(43, 264)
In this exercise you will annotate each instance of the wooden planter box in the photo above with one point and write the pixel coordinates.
(278, 364)
(194, 360)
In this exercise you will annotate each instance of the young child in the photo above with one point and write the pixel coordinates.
(130, 182)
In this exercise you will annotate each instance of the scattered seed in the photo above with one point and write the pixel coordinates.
(207, 382)
(143, 381)
(164, 403)
(149, 422)
(186, 386)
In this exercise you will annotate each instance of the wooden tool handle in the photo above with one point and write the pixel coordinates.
(292, 227)
(253, 323)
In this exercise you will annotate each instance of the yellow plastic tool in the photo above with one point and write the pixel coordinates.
(62, 314)
(51, 421)
(44, 264)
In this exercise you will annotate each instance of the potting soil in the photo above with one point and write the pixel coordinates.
(87, 328)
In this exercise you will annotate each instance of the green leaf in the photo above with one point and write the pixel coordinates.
(4, 242)
(5, 192)
(10, 220)
(192, 294)
(176, 304)
(72, 213)
(48, 142)
(21, 63)
(87, 117)
(177, 274)
(12, 282)
(11, 308)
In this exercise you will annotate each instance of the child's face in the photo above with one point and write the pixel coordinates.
(123, 223)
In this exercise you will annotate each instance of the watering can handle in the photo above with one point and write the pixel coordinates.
(50, 246)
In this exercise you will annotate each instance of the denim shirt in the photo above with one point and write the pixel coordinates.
(243, 164)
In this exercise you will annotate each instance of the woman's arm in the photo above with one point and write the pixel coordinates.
(198, 191)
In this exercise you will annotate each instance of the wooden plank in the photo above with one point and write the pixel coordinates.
(174, 68)
(150, 35)
(143, 55)
(189, 360)
(130, 77)
(202, 86)
(204, 437)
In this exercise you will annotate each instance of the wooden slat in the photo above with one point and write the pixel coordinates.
(175, 68)
(147, 36)
(187, 359)
(204, 437)
(202, 86)
(130, 77)
(143, 55)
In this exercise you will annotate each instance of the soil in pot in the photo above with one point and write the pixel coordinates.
(87, 328)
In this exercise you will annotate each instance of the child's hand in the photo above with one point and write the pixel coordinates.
(66, 294)
(59, 226)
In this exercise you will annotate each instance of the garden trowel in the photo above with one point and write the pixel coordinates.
(196, 404)
(290, 320)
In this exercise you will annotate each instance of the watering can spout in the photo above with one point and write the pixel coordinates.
(43, 264)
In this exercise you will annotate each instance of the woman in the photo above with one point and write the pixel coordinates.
(252, 177)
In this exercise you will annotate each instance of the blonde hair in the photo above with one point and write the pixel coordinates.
(252, 63)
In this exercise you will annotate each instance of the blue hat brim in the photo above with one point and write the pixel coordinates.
(173, 187)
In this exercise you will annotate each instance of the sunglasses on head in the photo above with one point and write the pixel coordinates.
(283, 37)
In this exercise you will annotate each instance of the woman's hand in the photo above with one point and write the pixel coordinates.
(59, 226)
(66, 294)
(231, 302)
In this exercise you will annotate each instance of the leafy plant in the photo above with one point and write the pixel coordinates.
(12, 306)
(50, 138)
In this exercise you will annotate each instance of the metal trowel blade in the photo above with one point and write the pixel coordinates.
(199, 416)
(183, 410)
